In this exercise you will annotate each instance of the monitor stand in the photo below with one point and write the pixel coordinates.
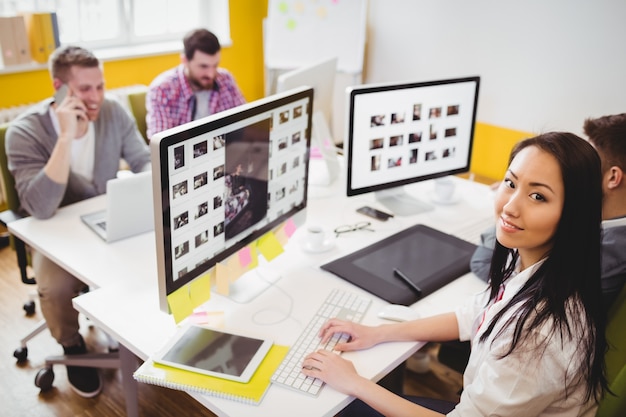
(252, 284)
(401, 203)
(322, 150)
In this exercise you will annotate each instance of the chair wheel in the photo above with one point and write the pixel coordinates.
(29, 308)
(44, 378)
(21, 354)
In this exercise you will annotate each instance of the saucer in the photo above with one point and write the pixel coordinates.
(453, 200)
(324, 247)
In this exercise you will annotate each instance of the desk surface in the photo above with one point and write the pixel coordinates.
(126, 302)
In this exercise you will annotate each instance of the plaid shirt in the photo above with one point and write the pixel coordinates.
(170, 100)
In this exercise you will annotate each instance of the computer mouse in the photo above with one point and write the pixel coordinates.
(397, 312)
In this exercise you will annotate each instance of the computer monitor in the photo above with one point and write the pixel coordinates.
(223, 181)
(401, 133)
(321, 76)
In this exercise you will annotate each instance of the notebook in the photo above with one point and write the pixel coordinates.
(129, 211)
(251, 392)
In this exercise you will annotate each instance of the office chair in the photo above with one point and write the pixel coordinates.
(45, 376)
(137, 103)
(6, 217)
(615, 360)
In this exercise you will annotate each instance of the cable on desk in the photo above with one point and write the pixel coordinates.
(285, 316)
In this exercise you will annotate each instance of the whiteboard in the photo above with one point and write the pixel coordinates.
(300, 32)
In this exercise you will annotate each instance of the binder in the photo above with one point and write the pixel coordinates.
(55, 29)
(50, 39)
(7, 42)
(21, 40)
(35, 26)
(179, 379)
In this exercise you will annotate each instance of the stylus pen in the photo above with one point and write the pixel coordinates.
(407, 281)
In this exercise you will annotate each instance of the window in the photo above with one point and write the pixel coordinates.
(98, 24)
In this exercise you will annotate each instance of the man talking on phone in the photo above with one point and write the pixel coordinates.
(61, 151)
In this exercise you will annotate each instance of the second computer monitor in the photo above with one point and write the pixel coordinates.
(320, 76)
(401, 133)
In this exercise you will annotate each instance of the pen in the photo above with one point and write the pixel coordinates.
(407, 281)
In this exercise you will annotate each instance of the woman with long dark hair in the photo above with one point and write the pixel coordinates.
(537, 333)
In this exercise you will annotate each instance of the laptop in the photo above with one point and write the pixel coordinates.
(129, 209)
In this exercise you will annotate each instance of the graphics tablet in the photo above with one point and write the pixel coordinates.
(427, 257)
(214, 352)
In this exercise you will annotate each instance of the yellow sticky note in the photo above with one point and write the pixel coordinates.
(212, 274)
(200, 289)
(235, 270)
(180, 304)
(281, 235)
(221, 279)
(269, 246)
(321, 12)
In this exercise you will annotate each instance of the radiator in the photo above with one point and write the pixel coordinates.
(10, 113)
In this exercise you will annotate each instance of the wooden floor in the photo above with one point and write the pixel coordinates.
(20, 397)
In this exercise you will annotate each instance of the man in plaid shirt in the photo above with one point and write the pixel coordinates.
(194, 89)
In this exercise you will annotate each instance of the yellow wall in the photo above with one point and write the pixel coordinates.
(492, 145)
(244, 59)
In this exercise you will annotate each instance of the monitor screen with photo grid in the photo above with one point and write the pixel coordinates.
(399, 133)
(223, 181)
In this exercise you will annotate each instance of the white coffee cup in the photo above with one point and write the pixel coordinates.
(444, 189)
(315, 236)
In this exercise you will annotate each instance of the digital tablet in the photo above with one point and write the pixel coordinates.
(214, 352)
(406, 266)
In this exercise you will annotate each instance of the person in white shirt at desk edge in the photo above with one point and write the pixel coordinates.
(538, 332)
(61, 153)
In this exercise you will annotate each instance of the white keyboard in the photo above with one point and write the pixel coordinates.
(340, 304)
(471, 231)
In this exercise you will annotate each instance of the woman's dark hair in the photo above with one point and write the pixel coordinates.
(567, 285)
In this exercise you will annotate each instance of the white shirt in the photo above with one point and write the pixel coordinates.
(202, 104)
(529, 381)
(83, 149)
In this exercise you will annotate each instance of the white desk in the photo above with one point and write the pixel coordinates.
(126, 303)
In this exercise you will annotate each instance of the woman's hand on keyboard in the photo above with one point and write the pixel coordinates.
(337, 372)
(361, 337)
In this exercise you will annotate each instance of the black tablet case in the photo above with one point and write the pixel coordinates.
(429, 257)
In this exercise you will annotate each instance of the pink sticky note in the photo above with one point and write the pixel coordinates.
(316, 153)
(245, 257)
(290, 227)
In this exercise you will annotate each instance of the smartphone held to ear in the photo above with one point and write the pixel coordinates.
(61, 93)
(373, 213)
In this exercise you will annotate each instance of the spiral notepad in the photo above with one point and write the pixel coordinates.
(183, 380)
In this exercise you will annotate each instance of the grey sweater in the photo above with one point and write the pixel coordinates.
(31, 139)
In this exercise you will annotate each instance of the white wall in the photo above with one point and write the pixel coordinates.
(545, 64)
